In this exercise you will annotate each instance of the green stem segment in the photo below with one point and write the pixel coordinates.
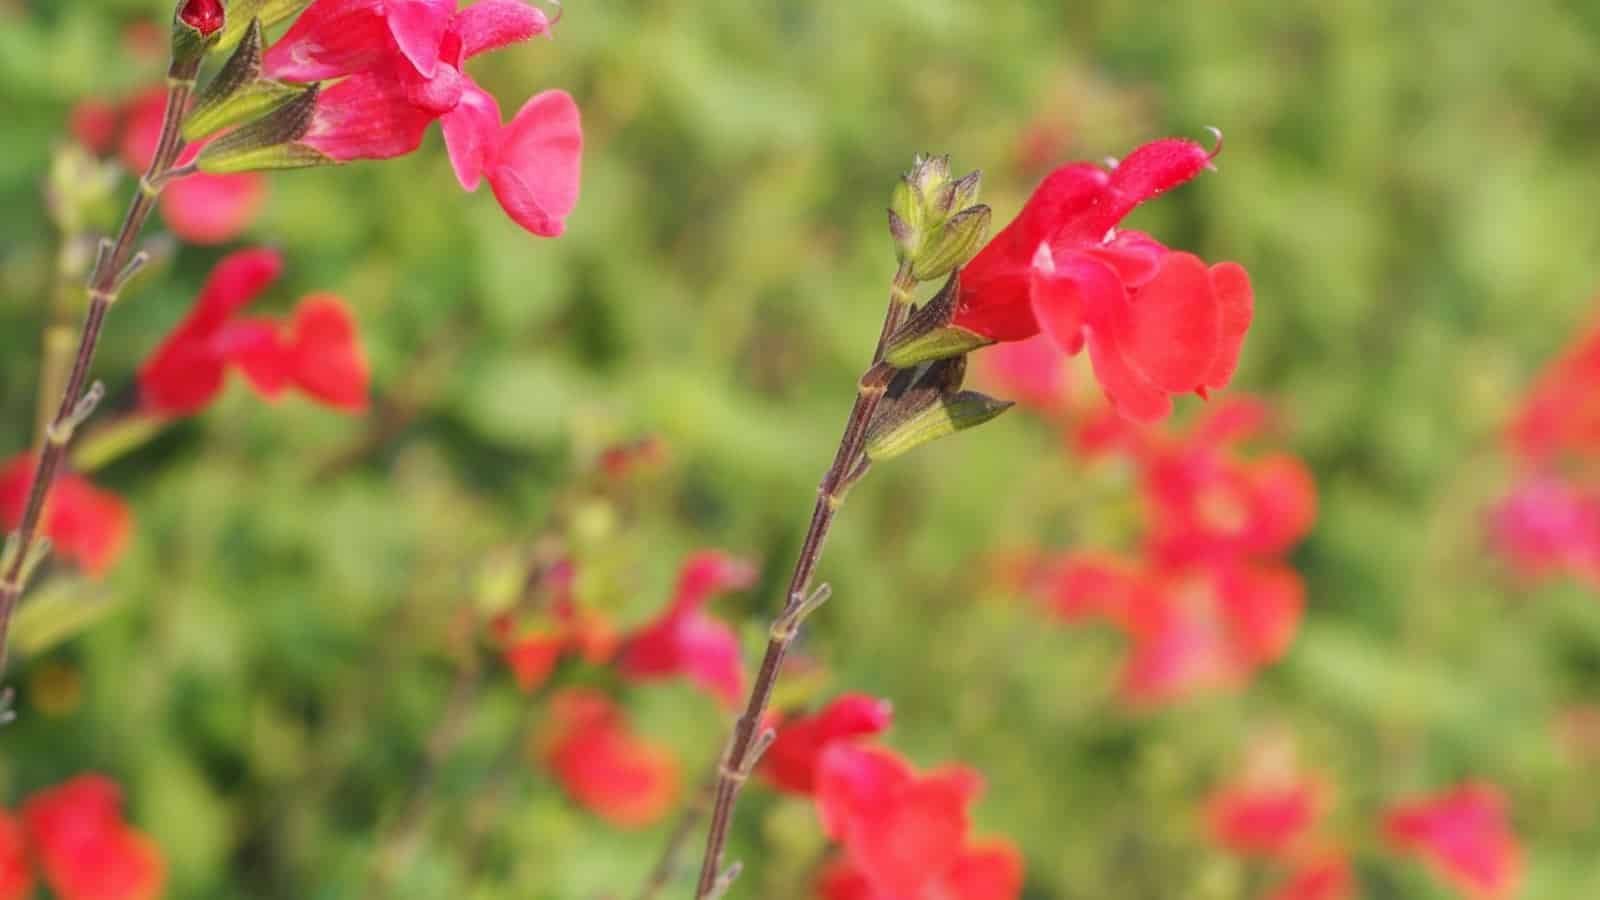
(849, 464)
(104, 282)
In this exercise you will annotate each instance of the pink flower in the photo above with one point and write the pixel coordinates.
(16, 876)
(1156, 322)
(1032, 372)
(1087, 585)
(1265, 816)
(86, 526)
(791, 762)
(85, 848)
(1207, 505)
(905, 834)
(1463, 835)
(684, 641)
(318, 352)
(603, 765)
(1547, 526)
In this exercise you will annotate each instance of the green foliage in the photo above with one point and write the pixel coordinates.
(1410, 185)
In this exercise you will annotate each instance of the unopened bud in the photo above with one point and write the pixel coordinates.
(945, 415)
(237, 93)
(196, 26)
(955, 242)
(928, 334)
(270, 142)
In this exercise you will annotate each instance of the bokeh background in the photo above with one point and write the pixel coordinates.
(1411, 186)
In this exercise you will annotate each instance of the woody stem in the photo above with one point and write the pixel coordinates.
(104, 282)
(849, 464)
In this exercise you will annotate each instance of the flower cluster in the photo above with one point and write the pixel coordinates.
(588, 744)
(1276, 813)
(74, 836)
(1208, 601)
(1548, 524)
(1156, 322)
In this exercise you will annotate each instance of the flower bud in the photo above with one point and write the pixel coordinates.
(952, 245)
(930, 408)
(196, 25)
(928, 334)
(237, 93)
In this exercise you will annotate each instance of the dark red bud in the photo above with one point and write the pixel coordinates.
(204, 16)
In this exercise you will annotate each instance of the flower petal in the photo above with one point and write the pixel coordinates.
(419, 27)
(1236, 301)
(326, 355)
(492, 24)
(1127, 390)
(1171, 333)
(212, 209)
(537, 163)
(471, 131)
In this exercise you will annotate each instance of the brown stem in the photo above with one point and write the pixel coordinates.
(104, 283)
(678, 841)
(848, 466)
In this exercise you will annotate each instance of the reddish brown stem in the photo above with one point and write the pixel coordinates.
(848, 466)
(104, 282)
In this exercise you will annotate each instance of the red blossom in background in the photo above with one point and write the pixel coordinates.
(1156, 322)
(87, 527)
(1464, 836)
(16, 876)
(1325, 878)
(1206, 505)
(603, 765)
(1548, 526)
(684, 641)
(531, 649)
(318, 352)
(1561, 414)
(905, 834)
(1265, 816)
(83, 846)
(790, 764)
(1031, 372)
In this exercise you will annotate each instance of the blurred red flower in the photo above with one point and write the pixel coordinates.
(683, 641)
(790, 764)
(1032, 372)
(319, 352)
(86, 526)
(1156, 322)
(16, 876)
(1087, 584)
(1463, 835)
(86, 850)
(603, 765)
(1326, 878)
(1265, 816)
(905, 833)
(533, 648)
(1561, 413)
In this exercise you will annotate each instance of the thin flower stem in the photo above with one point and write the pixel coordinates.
(666, 868)
(104, 282)
(849, 464)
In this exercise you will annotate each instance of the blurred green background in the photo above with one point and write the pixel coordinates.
(1412, 187)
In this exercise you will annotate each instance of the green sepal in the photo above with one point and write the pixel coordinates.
(269, 142)
(237, 93)
(956, 242)
(939, 343)
(946, 415)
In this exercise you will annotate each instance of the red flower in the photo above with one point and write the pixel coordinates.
(203, 208)
(86, 850)
(684, 641)
(16, 877)
(1562, 412)
(405, 61)
(532, 650)
(204, 16)
(94, 123)
(1326, 878)
(1207, 629)
(1265, 816)
(1080, 586)
(791, 762)
(905, 833)
(598, 760)
(86, 526)
(1548, 526)
(1156, 322)
(319, 352)
(986, 871)
(1462, 833)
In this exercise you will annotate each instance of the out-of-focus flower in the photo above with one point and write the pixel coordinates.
(684, 641)
(1327, 877)
(1463, 835)
(94, 123)
(1156, 322)
(1265, 815)
(1548, 526)
(16, 876)
(319, 352)
(532, 645)
(1561, 414)
(603, 765)
(790, 764)
(623, 460)
(1032, 372)
(84, 847)
(1087, 585)
(906, 833)
(86, 526)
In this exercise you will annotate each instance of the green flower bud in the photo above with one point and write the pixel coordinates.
(267, 143)
(955, 242)
(943, 415)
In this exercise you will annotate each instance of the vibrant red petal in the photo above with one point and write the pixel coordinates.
(1171, 333)
(87, 526)
(1127, 390)
(991, 870)
(328, 362)
(791, 762)
(841, 880)
(492, 24)
(1236, 301)
(367, 116)
(623, 779)
(331, 39)
(1134, 255)
(1329, 878)
(419, 27)
(1148, 171)
(84, 847)
(1266, 819)
(1284, 502)
(1464, 835)
(536, 166)
(1056, 295)
(16, 875)
(471, 132)
(852, 782)
(707, 573)
(239, 278)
